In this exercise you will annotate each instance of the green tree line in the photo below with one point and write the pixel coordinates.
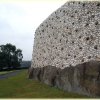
(10, 56)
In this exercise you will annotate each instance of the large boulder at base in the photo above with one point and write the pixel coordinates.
(83, 78)
(49, 75)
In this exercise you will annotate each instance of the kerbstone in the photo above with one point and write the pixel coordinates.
(83, 78)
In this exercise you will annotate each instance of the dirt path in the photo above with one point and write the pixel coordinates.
(10, 74)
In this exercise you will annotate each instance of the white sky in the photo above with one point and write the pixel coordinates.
(19, 20)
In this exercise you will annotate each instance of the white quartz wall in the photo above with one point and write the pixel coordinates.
(69, 36)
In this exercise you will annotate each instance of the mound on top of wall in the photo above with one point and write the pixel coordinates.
(70, 36)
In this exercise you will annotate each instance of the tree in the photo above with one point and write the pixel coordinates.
(10, 56)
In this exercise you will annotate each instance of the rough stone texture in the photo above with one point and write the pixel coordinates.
(83, 78)
(49, 75)
(69, 36)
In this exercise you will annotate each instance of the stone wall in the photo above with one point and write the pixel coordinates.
(69, 36)
(66, 52)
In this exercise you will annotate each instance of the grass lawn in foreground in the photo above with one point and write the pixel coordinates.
(21, 87)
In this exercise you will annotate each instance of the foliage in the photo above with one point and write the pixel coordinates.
(21, 87)
(10, 56)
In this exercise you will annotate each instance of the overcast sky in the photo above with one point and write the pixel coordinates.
(19, 20)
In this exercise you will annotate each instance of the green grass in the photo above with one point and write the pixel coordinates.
(21, 87)
(5, 72)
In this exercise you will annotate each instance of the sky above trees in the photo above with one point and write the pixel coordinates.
(19, 20)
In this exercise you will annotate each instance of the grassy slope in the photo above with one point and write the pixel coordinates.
(21, 87)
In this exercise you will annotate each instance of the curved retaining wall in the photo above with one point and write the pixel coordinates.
(68, 38)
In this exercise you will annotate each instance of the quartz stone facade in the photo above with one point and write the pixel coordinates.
(69, 36)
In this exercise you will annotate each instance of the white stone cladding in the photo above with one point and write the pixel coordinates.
(69, 36)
